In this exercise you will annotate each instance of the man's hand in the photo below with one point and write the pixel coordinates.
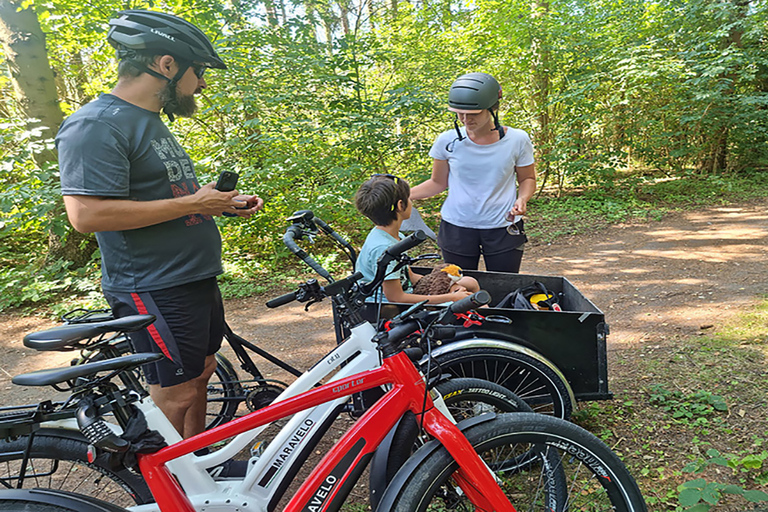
(252, 205)
(210, 201)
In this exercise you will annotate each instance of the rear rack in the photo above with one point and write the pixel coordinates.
(21, 420)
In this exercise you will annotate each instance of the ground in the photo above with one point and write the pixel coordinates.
(661, 284)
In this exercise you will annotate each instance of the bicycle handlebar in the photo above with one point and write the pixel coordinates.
(351, 253)
(475, 300)
(390, 340)
(281, 300)
(291, 234)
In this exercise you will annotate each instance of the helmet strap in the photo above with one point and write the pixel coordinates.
(499, 128)
(172, 82)
(456, 125)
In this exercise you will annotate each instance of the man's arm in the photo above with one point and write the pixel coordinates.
(89, 214)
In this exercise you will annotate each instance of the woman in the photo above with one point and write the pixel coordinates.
(489, 171)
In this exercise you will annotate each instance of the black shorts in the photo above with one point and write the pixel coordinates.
(189, 327)
(473, 242)
(501, 251)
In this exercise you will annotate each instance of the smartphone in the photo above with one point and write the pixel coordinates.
(227, 181)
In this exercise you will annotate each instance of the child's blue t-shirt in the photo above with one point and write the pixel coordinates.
(375, 244)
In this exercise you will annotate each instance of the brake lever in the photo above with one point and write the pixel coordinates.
(430, 256)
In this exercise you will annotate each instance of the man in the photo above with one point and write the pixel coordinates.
(126, 178)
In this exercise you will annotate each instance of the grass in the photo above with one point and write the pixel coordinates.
(691, 420)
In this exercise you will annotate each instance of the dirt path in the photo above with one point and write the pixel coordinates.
(655, 281)
(660, 280)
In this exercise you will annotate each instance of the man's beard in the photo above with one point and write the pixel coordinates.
(177, 104)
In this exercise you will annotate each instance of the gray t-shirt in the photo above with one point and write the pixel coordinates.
(112, 148)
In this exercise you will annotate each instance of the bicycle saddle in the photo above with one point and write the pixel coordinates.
(67, 337)
(59, 375)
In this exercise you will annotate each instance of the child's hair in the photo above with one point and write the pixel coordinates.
(378, 198)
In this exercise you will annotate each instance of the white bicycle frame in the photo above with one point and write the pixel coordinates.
(268, 474)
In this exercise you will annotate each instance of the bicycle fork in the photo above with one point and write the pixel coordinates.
(474, 477)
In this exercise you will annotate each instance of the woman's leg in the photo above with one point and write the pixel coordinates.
(465, 262)
(504, 262)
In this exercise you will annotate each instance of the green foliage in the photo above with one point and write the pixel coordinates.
(30, 285)
(691, 409)
(644, 106)
(700, 494)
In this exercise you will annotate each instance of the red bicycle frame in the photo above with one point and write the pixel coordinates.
(332, 478)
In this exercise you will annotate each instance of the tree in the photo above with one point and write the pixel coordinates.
(37, 100)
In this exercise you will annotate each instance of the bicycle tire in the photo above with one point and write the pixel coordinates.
(468, 397)
(47, 500)
(32, 506)
(530, 379)
(464, 398)
(596, 479)
(225, 394)
(59, 460)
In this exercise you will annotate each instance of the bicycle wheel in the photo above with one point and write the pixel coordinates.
(469, 397)
(47, 500)
(59, 461)
(224, 391)
(464, 398)
(224, 394)
(539, 385)
(586, 475)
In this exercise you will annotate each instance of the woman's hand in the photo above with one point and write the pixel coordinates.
(519, 208)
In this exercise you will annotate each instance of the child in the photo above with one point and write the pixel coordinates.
(385, 199)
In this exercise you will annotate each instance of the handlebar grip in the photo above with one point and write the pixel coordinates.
(442, 332)
(408, 242)
(475, 300)
(341, 285)
(290, 243)
(283, 299)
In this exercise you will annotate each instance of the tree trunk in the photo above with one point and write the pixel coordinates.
(271, 9)
(32, 76)
(344, 17)
(35, 89)
(541, 86)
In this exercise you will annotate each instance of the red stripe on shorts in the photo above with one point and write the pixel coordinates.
(142, 309)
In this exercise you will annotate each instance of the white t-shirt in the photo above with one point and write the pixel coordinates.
(482, 185)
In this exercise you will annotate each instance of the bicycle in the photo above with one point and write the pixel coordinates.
(448, 469)
(522, 371)
(58, 448)
(495, 358)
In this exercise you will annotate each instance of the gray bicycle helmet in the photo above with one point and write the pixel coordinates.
(138, 31)
(472, 93)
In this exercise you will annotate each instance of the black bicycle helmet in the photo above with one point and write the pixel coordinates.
(140, 30)
(472, 93)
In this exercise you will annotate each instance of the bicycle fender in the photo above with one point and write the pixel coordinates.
(387, 454)
(386, 501)
(487, 342)
(70, 500)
